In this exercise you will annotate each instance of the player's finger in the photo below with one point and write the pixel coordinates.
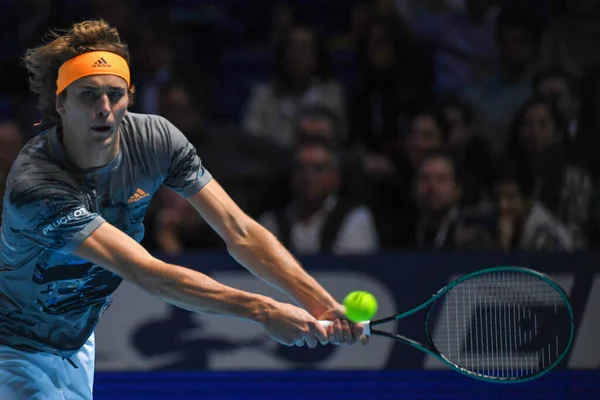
(357, 331)
(337, 332)
(347, 333)
(299, 342)
(364, 339)
(311, 341)
(319, 332)
(285, 342)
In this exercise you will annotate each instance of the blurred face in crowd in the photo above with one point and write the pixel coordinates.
(176, 106)
(538, 130)
(436, 186)
(510, 200)
(556, 91)
(11, 142)
(315, 175)
(317, 127)
(516, 48)
(381, 51)
(301, 53)
(425, 136)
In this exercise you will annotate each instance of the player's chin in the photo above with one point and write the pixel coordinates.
(103, 133)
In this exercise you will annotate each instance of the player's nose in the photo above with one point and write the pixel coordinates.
(103, 106)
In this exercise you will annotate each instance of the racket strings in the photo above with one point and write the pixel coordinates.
(505, 325)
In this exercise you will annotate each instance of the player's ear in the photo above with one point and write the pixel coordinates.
(59, 105)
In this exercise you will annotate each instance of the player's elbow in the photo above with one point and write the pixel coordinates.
(238, 230)
(247, 235)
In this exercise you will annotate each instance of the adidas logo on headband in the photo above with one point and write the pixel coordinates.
(101, 63)
(92, 63)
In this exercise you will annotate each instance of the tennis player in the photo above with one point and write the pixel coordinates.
(73, 219)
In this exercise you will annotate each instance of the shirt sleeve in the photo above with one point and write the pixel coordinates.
(185, 173)
(50, 217)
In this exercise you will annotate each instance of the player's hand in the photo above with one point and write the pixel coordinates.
(294, 326)
(343, 331)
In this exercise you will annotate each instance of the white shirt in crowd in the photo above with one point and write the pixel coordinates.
(357, 235)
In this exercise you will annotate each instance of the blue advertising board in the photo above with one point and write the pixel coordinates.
(151, 350)
(140, 332)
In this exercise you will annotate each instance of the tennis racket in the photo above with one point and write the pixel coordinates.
(504, 324)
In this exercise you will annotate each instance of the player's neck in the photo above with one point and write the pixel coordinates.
(84, 157)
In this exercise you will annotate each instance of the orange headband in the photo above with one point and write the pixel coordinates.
(92, 63)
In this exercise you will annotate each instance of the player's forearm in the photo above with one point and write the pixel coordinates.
(262, 254)
(199, 293)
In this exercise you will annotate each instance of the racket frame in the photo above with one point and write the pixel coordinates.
(433, 351)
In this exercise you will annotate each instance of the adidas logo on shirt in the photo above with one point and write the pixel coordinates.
(137, 196)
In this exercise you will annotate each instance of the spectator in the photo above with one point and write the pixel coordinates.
(302, 78)
(561, 91)
(318, 219)
(496, 99)
(561, 183)
(519, 222)
(470, 149)
(389, 178)
(438, 195)
(318, 122)
(394, 83)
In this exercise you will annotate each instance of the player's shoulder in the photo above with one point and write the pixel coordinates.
(146, 128)
(34, 158)
(36, 173)
(144, 123)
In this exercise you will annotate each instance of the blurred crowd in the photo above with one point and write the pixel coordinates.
(358, 126)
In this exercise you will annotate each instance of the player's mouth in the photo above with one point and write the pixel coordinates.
(101, 128)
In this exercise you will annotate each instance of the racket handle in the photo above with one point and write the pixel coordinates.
(366, 326)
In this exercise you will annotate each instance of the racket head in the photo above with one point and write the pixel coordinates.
(503, 324)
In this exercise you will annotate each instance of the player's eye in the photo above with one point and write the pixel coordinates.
(115, 95)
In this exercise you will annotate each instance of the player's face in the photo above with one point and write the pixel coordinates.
(93, 109)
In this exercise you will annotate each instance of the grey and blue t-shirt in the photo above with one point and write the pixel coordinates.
(51, 300)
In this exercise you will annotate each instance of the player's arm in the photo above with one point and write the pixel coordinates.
(258, 250)
(112, 249)
(247, 241)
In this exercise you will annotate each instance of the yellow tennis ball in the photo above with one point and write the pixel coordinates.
(360, 306)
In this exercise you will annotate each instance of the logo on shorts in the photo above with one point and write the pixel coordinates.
(137, 196)
(101, 63)
(80, 212)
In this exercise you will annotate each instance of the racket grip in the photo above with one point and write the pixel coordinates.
(366, 326)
